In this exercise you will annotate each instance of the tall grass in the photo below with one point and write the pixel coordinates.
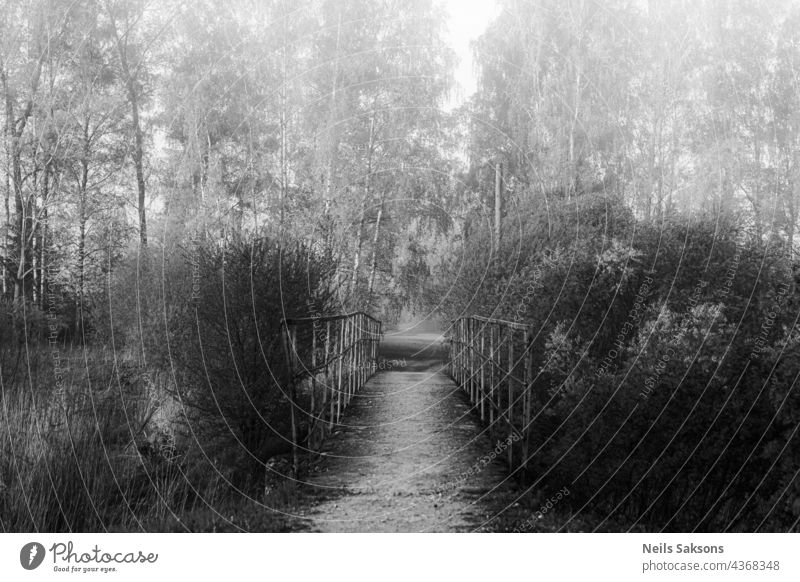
(106, 448)
(79, 446)
(94, 439)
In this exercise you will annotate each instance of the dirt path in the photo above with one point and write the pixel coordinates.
(407, 458)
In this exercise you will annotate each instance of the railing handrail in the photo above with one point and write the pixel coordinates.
(491, 360)
(513, 324)
(324, 318)
(309, 371)
(344, 350)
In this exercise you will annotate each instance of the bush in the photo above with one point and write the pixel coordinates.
(665, 356)
(228, 347)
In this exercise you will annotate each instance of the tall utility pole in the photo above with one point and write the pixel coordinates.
(498, 205)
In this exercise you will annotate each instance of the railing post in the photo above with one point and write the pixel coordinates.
(360, 353)
(372, 350)
(356, 353)
(345, 354)
(510, 396)
(462, 357)
(340, 364)
(472, 351)
(491, 376)
(482, 386)
(328, 392)
(349, 348)
(362, 338)
(526, 398)
(468, 361)
(292, 338)
(312, 417)
(455, 346)
(350, 360)
(510, 413)
(468, 357)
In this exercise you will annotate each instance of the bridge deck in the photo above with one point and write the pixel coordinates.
(408, 454)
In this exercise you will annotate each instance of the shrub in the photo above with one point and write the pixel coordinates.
(665, 358)
(228, 347)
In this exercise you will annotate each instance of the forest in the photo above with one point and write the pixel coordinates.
(178, 177)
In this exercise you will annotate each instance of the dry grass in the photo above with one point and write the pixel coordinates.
(92, 447)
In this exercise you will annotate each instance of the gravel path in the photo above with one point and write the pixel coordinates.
(408, 455)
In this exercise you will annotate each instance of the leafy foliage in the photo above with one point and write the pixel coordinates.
(664, 363)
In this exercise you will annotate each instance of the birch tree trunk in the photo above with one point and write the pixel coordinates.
(364, 202)
(375, 239)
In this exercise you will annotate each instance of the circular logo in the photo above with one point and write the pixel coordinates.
(31, 555)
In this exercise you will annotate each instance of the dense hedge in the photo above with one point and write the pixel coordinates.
(666, 356)
(227, 345)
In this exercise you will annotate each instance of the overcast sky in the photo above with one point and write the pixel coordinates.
(468, 20)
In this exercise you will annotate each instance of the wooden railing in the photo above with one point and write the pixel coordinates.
(329, 359)
(492, 361)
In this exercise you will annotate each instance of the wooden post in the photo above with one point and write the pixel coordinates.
(292, 399)
(373, 346)
(362, 338)
(340, 364)
(468, 361)
(526, 398)
(510, 412)
(357, 351)
(345, 366)
(462, 356)
(312, 419)
(498, 206)
(351, 381)
(482, 385)
(328, 393)
(356, 360)
(453, 351)
(361, 358)
(365, 348)
(457, 349)
(472, 349)
(351, 349)
(492, 375)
